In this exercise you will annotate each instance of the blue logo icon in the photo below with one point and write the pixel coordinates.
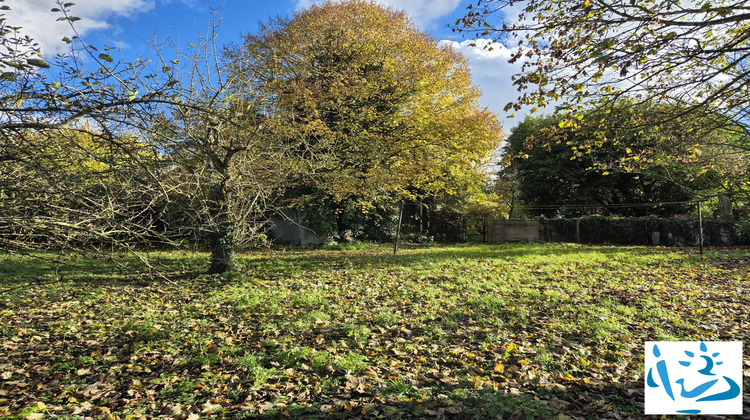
(693, 380)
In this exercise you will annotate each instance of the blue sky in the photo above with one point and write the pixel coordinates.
(128, 22)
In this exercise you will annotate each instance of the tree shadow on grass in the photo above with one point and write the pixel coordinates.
(613, 402)
(19, 271)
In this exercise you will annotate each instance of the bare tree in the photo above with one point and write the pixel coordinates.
(221, 167)
(121, 155)
(69, 166)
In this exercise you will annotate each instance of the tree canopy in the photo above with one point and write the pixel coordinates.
(558, 167)
(384, 110)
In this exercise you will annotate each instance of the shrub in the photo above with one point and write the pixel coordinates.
(742, 231)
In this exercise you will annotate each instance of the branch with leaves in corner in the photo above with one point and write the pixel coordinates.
(595, 52)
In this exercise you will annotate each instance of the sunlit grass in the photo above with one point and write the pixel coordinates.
(469, 330)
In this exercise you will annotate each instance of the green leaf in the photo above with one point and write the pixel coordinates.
(56, 86)
(38, 62)
(724, 11)
(66, 5)
(132, 94)
(55, 10)
(106, 57)
(13, 64)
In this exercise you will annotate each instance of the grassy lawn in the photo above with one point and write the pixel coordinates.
(515, 331)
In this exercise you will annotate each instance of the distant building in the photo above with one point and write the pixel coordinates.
(287, 227)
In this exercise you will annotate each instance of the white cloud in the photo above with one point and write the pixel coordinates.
(482, 49)
(424, 13)
(491, 71)
(37, 20)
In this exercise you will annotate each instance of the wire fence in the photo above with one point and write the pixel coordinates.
(691, 229)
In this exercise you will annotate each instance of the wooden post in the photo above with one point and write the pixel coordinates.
(700, 229)
(578, 230)
(398, 227)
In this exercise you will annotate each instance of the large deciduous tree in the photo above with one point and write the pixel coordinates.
(383, 111)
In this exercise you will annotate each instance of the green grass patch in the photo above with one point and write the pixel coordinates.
(471, 331)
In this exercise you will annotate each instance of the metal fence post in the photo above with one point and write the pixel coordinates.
(398, 227)
(700, 229)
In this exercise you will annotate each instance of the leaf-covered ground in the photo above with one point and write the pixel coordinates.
(512, 331)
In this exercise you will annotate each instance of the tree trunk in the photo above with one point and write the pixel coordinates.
(221, 242)
(222, 246)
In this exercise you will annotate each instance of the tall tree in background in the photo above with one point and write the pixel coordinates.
(383, 111)
(556, 168)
